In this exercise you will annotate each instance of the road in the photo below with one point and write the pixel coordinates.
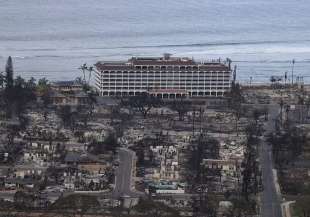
(123, 179)
(271, 198)
(123, 175)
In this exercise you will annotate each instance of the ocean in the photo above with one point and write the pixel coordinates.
(52, 38)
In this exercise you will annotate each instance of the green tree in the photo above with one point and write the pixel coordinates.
(242, 208)
(9, 72)
(302, 207)
(24, 94)
(43, 87)
(2, 80)
(76, 204)
(155, 209)
(18, 96)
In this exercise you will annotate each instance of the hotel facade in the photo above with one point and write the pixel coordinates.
(164, 77)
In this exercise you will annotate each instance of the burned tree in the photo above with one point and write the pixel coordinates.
(181, 106)
(251, 172)
(143, 103)
(235, 101)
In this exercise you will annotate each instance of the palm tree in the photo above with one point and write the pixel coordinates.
(90, 70)
(83, 68)
(79, 80)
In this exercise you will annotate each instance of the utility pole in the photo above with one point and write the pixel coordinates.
(281, 110)
(293, 65)
(194, 116)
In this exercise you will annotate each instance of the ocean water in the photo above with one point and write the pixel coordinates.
(52, 38)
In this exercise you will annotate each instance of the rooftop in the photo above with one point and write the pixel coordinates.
(167, 60)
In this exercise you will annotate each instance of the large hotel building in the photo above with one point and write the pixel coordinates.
(165, 77)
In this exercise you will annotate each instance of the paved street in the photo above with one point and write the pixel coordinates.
(270, 198)
(123, 175)
(123, 180)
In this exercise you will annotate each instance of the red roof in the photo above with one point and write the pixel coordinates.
(133, 62)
